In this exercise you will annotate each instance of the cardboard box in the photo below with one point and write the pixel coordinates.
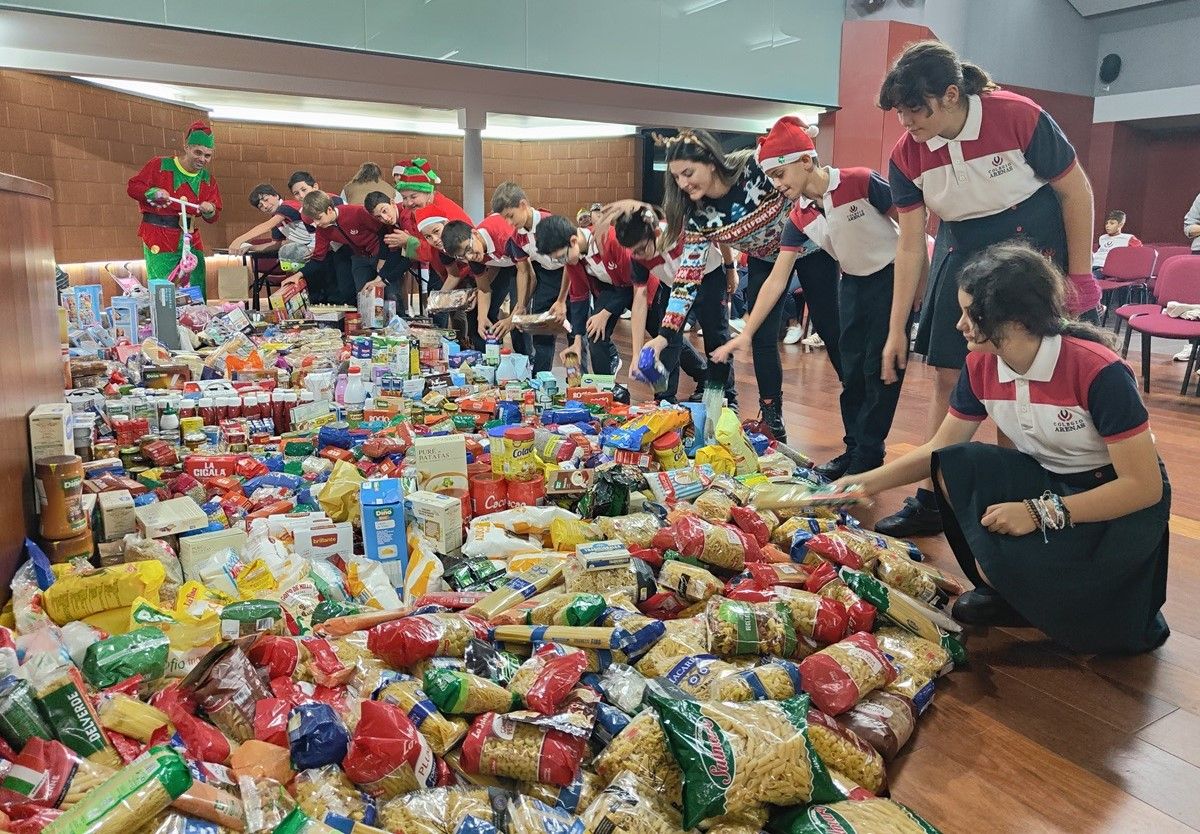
(111, 553)
(162, 314)
(442, 465)
(383, 525)
(324, 541)
(51, 427)
(125, 319)
(170, 518)
(116, 515)
(290, 302)
(438, 518)
(198, 548)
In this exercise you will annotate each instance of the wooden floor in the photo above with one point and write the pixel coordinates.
(1030, 738)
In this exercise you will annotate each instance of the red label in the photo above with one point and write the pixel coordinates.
(206, 467)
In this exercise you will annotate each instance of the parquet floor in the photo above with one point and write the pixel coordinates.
(1030, 738)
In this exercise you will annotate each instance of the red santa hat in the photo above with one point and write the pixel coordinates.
(431, 214)
(788, 140)
(399, 167)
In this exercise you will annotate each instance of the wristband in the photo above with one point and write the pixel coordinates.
(731, 266)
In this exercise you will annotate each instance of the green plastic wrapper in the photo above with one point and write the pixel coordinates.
(462, 693)
(579, 610)
(239, 619)
(736, 756)
(20, 719)
(328, 609)
(869, 816)
(142, 651)
(129, 798)
(907, 612)
(298, 448)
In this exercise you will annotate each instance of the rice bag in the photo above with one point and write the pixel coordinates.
(839, 676)
(735, 757)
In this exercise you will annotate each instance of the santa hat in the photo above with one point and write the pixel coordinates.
(443, 213)
(788, 140)
(198, 133)
(417, 175)
(399, 167)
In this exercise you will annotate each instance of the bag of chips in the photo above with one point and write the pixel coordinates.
(735, 757)
(839, 676)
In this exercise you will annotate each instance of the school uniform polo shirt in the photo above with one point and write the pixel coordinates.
(293, 228)
(608, 262)
(1008, 148)
(354, 227)
(495, 232)
(663, 266)
(852, 224)
(1107, 243)
(523, 244)
(1075, 399)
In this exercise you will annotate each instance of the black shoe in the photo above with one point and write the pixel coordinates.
(772, 416)
(859, 464)
(984, 606)
(836, 468)
(915, 518)
(697, 395)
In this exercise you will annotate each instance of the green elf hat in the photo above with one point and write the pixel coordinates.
(417, 175)
(198, 133)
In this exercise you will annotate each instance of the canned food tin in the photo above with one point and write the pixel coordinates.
(527, 492)
(489, 493)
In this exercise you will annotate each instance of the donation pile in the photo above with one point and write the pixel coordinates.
(464, 603)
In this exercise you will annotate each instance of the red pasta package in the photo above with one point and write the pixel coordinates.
(406, 641)
(824, 620)
(202, 740)
(498, 745)
(279, 656)
(271, 721)
(839, 676)
(749, 521)
(545, 680)
(833, 550)
(786, 573)
(387, 755)
(720, 545)
(825, 582)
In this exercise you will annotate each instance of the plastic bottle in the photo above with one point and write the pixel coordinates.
(209, 411)
(168, 424)
(492, 352)
(354, 397)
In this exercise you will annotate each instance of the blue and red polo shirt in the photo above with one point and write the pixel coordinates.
(1007, 150)
(851, 224)
(1076, 398)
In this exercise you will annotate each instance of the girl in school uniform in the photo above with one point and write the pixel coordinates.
(1069, 529)
(992, 166)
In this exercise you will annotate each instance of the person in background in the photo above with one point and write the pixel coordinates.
(187, 177)
(1068, 530)
(368, 179)
(1114, 237)
(992, 166)
(284, 224)
(541, 285)
(846, 213)
(356, 230)
(1191, 224)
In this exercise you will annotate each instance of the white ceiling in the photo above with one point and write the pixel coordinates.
(355, 80)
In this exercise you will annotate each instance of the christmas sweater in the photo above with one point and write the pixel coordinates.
(750, 217)
(166, 173)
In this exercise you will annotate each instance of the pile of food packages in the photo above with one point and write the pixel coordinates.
(470, 605)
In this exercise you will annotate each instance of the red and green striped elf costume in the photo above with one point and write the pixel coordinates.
(186, 177)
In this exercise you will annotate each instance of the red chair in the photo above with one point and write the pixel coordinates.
(1128, 311)
(1179, 281)
(1125, 270)
(1165, 250)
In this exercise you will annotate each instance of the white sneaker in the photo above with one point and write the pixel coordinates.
(814, 341)
(737, 325)
(687, 328)
(628, 314)
(793, 334)
(1183, 355)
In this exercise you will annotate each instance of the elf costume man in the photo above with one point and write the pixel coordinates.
(187, 177)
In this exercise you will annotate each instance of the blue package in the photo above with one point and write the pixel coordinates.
(42, 571)
(144, 499)
(316, 736)
(274, 462)
(213, 527)
(334, 435)
(610, 721)
(628, 439)
(570, 414)
(274, 479)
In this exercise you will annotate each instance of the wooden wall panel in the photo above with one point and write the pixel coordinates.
(31, 370)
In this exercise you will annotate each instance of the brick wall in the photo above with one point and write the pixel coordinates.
(85, 142)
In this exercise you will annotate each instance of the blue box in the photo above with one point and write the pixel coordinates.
(384, 529)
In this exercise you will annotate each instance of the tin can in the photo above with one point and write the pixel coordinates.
(668, 451)
(130, 456)
(527, 492)
(489, 494)
(188, 425)
(521, 461)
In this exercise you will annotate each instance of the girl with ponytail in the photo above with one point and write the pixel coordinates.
(992, 166)
(1068, 530)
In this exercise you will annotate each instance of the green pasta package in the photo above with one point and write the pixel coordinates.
(869, 816)
(736, 756)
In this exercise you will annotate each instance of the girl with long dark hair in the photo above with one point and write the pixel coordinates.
(1068, 530)
(992, 166)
